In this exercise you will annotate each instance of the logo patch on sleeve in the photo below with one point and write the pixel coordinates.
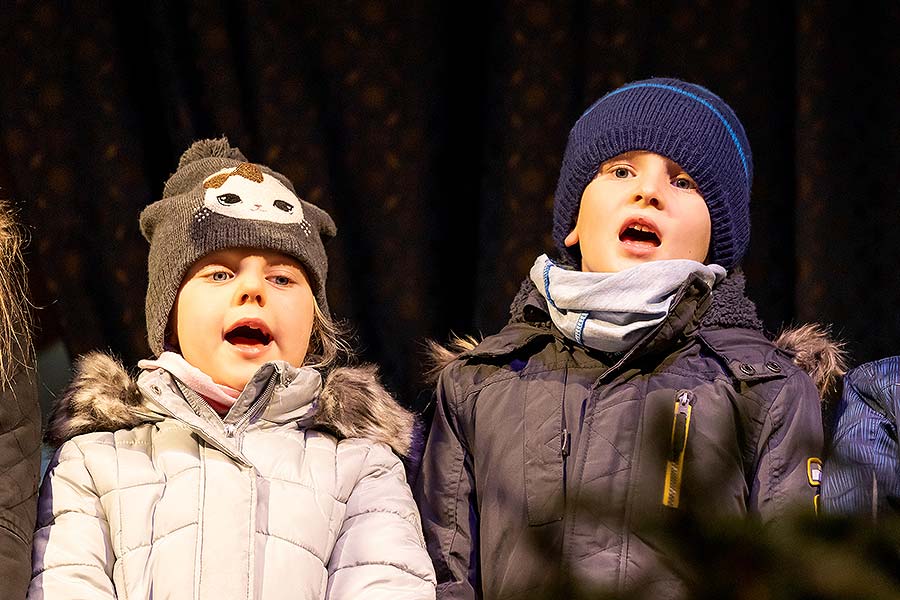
(814, 471)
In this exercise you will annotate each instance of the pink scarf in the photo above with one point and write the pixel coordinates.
(219, 397)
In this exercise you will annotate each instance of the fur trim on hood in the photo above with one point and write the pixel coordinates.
(814, 351)
(104, 397)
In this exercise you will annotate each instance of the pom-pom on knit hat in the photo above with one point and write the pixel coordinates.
(681, 121)
(216, 199)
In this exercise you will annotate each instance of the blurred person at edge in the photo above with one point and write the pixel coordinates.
(862, 471)
(20, 415)
(633, 383)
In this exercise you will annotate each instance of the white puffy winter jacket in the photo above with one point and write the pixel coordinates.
(165, 499)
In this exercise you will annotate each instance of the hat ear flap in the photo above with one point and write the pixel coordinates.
(321, 220)
(150, 218)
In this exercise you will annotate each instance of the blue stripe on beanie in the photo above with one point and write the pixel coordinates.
(731, 132)
(700, 132)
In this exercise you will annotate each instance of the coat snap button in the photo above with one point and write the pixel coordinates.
(747, 369)
(773, 366)
(155, 389)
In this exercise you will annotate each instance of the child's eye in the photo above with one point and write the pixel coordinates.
(621, 172)
(219, 276)
(281, 280)
(684, 183)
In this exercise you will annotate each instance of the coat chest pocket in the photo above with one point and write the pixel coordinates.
(545, 447)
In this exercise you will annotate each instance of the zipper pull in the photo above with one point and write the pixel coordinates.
(565, 443)
(681, 422)
(229, 430)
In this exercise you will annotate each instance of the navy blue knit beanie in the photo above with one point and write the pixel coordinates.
(681, 121)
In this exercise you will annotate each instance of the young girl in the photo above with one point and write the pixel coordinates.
(633, 384)
(20, 416)
(229, 469)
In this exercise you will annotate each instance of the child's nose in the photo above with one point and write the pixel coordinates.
(648, 192)
(251, 289)
(650, 188)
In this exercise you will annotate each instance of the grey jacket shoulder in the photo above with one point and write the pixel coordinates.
(353, 404)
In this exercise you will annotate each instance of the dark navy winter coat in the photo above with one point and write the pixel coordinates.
(547, 460)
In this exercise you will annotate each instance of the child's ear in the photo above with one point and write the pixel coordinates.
(170, 342)
(572, 238)
(170, 335)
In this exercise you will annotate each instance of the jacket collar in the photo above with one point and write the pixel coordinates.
(728, 325)
(278, 392)
(530, 320)
(724, 318)
(730, 306)
(351, 402)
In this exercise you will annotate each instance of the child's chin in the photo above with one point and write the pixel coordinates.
(236, 374)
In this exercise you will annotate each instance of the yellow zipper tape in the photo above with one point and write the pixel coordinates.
(672, 487)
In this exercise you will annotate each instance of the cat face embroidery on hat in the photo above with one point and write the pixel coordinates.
(245, 192)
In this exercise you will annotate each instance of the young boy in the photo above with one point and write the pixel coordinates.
(229, 469)
(633, 382)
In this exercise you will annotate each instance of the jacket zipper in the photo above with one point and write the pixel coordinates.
(230, 429)
(196, 402)
(681, 423)
(233, 428)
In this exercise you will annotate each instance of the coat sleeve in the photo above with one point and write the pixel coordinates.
(20, 462)
(72, 556)
(791, 436)
(863, 470)
(445, 491)
(379, 552)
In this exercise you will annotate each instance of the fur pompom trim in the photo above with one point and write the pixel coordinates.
(101, 397)
(212, 148)
(814, 351)
(354, 404)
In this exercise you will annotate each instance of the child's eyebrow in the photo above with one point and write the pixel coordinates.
(625, 156)
(287, 266)
(215, 263)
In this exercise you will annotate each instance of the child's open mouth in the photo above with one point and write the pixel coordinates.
(251, 333)
(639, 232)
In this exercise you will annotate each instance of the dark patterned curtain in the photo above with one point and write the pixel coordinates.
(433, 133)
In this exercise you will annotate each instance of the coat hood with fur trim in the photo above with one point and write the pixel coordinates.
(353, 404)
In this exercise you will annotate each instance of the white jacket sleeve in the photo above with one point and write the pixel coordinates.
(379, 551)
(72, 555)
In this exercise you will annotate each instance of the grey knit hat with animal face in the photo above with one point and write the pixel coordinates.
(216, 200)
